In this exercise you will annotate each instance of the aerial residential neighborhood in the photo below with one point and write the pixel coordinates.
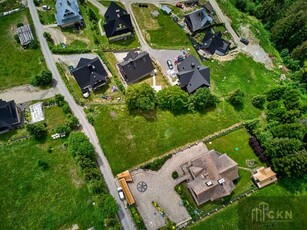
(153, 114)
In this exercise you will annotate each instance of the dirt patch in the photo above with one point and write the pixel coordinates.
(228, 57)
(78, 182)
(246, 33)
(74, 227)
(113, 114)
(130, 137)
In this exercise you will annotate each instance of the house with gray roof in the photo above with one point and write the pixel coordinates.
(213, 175)
(67, 13)
(118, 23)
(25, 35)
(192, 75)
(214, 43)
(198, 20)
(136, 66)
(90, 74)
(10, 116)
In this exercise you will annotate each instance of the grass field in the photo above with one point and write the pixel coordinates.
(47, 16)
(31, 198)
(160, 32)
(7, 5)
(228, 218)
(244, 74)
(17, 65)
(236, 139)
(128, 140)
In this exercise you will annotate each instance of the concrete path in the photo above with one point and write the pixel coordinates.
(123, 214)
(100, 28)
(27, 93)
(102, 9)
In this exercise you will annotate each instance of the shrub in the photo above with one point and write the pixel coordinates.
(258, 101)
(202, 99)
(59, 100)
(48, 38)
(42, 165)
(19, 24)
(34, 44)
(63, 129)
(175, 175)
(17, 38)
(38, 130)
(90, 119)
(157, 164)
(44, 79)
(173, 98)
(237, 99)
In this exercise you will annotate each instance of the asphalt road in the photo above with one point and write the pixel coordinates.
(123, 214)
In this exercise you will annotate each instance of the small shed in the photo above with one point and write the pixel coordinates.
(166, 9)
(264, 176)
(154, 13)
(25, 35)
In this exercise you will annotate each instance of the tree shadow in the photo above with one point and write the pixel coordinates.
(294, 185)
(148, 115)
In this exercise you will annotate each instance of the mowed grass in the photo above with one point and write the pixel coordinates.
(228, 144)
(34, 199)
(160, 32)
(130, 139)
(228, 218)
(17, 65)
(241, 73)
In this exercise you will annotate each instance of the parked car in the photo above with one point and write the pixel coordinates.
(244, 41)
(63, 45)
(71, 68)
(120, 193)
(46, 7)
(179, 5)
(169, 64)
(180, 58)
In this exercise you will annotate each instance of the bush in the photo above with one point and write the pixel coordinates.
(91, 14)
(59, 100)
(48, 38)
(34, 44)
(63, 129)
(237, 99)
(173, 98)
(19, 24)
(44, 79)
(17, 38)
(72, 121)
(202, 99)
(258, 101)
(38, 130)
(157, 164)
(42, 165)
(175, 175)
(90, 119)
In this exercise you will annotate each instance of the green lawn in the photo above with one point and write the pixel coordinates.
(244, 74)
(239, 18)
(228, 217)
(34, 199)
(7, 5)
(47, 16)
(160, 32)
(128, 140)
(236, 139)
(17, 65)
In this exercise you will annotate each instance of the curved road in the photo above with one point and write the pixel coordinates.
(123, 214)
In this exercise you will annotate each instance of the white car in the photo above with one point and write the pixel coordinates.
(120, 193)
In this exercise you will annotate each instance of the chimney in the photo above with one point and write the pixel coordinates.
(198, 67)
(192, 65)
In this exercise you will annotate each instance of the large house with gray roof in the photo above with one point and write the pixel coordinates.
(10, 116)
(67, 13)
(213, 174)
(136, 66)
(192, 75)
(198, 20)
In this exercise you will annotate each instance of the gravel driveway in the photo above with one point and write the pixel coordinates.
(160, 188)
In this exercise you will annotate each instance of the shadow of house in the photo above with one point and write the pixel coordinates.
(192, 75)
(25, 35)
(90, 75)
(136, 66)
(213, 174)
(10, 116)
(197, 20)
(214, 43)
(118, 23)
(67, 13)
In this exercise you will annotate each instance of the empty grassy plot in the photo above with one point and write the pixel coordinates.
(236, 145)
(36, 197)
(130, 139)
(242, 73)
(17, 65)
(162, 31)
(47, 16)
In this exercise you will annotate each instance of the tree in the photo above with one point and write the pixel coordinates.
(44, 79)
(173, 98)
(280, 147)
(42, 165)
(141, 97)
(202, 99)
(237, 99)
(63, 129)
(292, 130)
(276, 93)
(34, 44)
(258, 101)
(38, 130)
(72, 121)
(300, 53)
(79, 145)
(291, 166)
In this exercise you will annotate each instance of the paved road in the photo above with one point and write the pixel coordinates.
(104, 167)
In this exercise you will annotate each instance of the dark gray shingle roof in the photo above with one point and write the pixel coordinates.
(198, 20)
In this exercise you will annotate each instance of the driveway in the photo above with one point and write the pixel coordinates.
(160, 188)
(73, 59)
(25, 93)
